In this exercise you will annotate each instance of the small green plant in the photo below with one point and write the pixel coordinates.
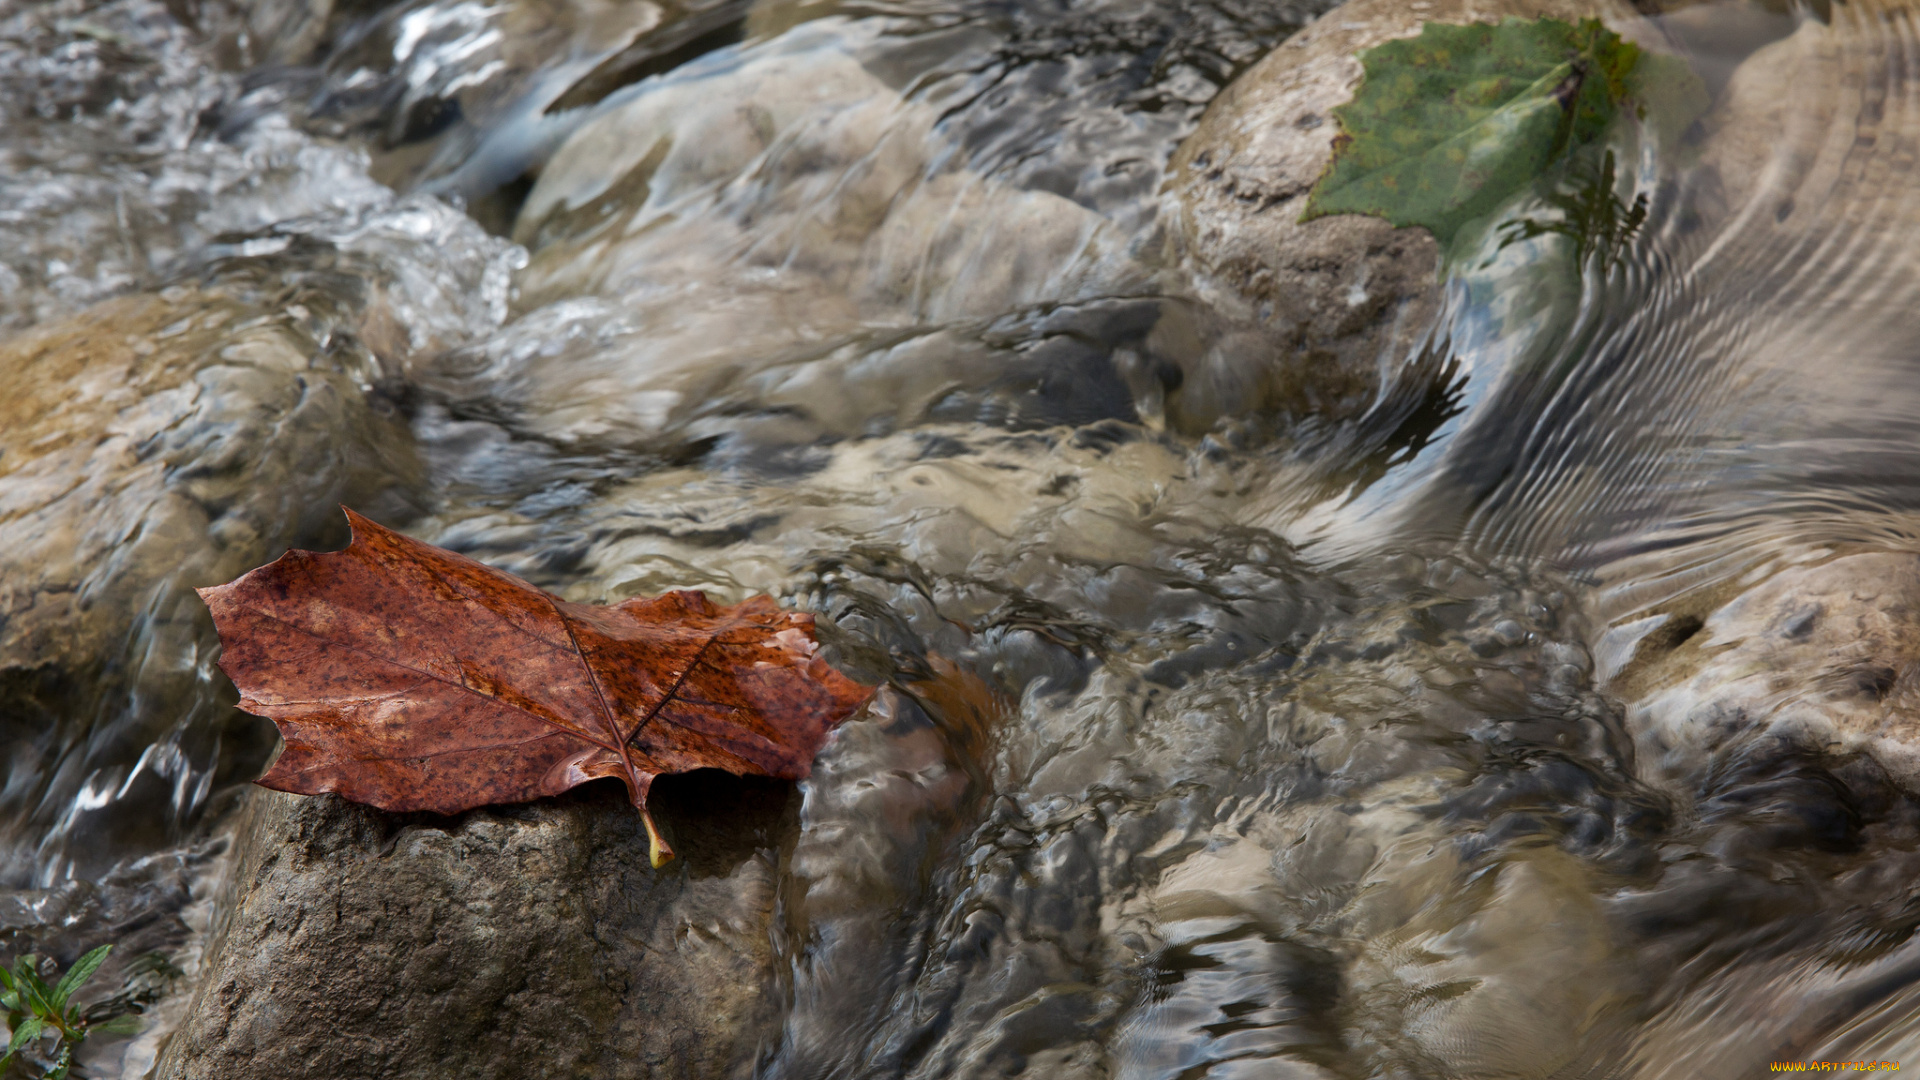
(1594, 218)
(36, 1010)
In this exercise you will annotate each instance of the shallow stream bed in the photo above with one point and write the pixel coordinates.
(1529, 693)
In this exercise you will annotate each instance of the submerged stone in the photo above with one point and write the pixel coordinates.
(759, 209)
(1771, 147)
(795, 164)
(150, 445)
(1816, 657)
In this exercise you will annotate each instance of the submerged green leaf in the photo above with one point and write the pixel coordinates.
(1446, 125)
(123, 1024)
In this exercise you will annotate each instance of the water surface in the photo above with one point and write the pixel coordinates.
(1283, 745)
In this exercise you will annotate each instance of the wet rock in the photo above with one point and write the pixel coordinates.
(468, 100)
(806, 111)
(521, 941)
(1819, 657)
(1771, 143)
(148, 446)
(285, 31)
(959, 246)
(1310, 314)
(796, 162)
(1496, 979)
(1803, 162)
(750, 213)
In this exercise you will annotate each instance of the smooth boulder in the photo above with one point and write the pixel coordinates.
(1306, 316)
(792, 168)
(150, 445)
(751, 211)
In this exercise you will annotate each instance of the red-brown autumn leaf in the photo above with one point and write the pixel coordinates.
(411, 678)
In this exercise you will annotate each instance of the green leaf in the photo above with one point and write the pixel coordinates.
(29, 1029)
(33, 992)
(77, 976)
(124, 1024)
(1446, 125)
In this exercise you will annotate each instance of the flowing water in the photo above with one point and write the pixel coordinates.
(1236, 742)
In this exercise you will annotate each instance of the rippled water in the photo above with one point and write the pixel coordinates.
(1269, 743)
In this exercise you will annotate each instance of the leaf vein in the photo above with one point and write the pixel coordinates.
(429, 676)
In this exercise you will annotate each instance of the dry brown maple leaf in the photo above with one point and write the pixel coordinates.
(411, 678)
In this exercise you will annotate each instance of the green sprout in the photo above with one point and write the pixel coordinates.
(1593, 217)
(36, 1010)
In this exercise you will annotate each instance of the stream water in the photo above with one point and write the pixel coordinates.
(1309, 745)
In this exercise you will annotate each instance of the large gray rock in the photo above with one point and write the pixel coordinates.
(1311, 313)
(511, 942)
